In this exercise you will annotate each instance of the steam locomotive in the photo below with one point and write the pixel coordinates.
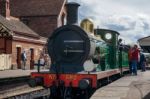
(81, 57)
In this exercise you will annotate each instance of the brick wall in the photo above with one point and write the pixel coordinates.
(25, 46)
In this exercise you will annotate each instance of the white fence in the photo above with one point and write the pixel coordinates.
(5, 61)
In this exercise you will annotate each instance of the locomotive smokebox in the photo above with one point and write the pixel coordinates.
(72, 13)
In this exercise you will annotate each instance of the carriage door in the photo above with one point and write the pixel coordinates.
(19, 57)
(32, 58)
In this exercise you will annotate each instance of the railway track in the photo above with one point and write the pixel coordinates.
(17, 88)
(12, 80)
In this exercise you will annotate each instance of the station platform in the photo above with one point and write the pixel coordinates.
(16, 73)
(127, 87)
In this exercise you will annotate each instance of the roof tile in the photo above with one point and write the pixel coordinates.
(17, 26)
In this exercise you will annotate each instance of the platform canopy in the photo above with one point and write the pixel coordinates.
(145, 43)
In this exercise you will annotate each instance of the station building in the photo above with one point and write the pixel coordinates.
(145, 43)
(25, 25)
(16, 37)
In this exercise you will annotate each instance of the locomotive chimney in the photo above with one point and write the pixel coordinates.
(72, 13)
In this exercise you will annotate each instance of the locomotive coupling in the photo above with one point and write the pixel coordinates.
(84, 83)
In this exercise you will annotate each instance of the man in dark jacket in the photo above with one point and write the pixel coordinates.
(24, 59)
(142, 61)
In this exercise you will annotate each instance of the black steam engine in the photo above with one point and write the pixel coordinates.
(73, 53)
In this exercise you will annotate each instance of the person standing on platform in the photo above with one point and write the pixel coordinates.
(130, 58)
(142, 61)
(135, 58)
(24, 59)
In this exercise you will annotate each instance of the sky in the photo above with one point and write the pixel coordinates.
(131, 18)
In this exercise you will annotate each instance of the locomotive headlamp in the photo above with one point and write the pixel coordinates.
(108, 36)
(89, 66)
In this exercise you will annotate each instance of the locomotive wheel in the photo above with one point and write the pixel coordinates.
(60, 93)
(54, 93)
(68, 93)
(86, 94)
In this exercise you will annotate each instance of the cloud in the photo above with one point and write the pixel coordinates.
(129, 17)
(121, 23)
